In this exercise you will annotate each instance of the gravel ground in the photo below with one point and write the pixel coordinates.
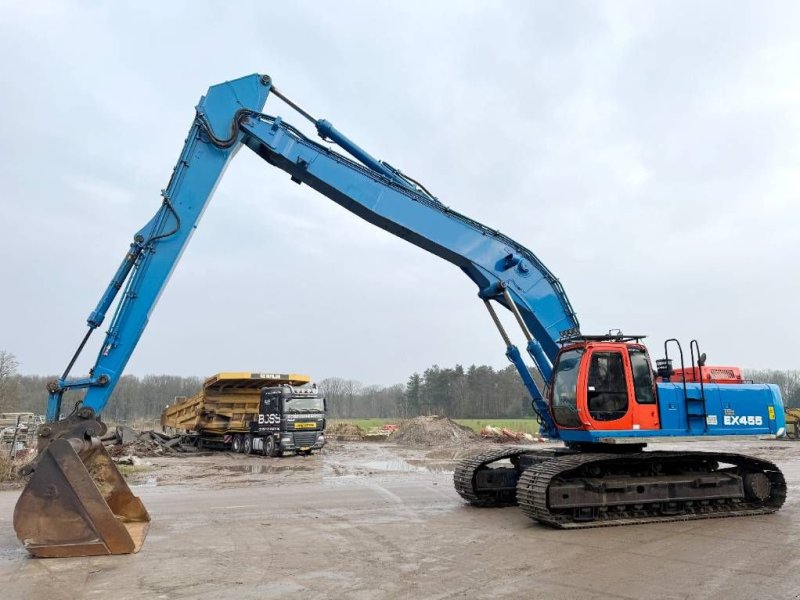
(376, 520)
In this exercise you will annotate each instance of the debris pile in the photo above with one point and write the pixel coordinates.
(349, 432)
(380, 434)
(432, 431)
(505, 436)
(132, 460)
(10, 468)
(124, 441)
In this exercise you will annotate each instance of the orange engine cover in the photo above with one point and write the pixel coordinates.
(708, 375)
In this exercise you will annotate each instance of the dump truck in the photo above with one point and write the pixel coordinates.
(265, 413)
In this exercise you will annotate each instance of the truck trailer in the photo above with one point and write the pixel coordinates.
(268, 413)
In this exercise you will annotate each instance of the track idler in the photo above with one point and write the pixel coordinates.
(77, 503)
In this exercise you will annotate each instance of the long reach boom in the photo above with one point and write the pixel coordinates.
(229, 116)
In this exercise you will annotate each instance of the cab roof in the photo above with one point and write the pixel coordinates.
(608, 337)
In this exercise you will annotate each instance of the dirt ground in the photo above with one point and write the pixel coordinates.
(376, 520)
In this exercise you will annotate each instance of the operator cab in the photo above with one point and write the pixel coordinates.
(298, 404)
(604, 382)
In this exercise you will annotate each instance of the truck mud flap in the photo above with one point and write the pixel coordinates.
(78, 504)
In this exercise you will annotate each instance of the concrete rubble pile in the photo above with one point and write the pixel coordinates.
(123, 442)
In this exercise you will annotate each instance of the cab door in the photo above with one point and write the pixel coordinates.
(607, 399)
(269, 417)
(645, 405)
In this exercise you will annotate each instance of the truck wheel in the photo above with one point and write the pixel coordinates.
(236, 445)
(248, 444)
(269, 446)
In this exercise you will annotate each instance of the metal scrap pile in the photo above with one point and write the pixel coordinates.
(18, 433)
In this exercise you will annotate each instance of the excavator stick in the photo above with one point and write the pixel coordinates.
(78, 504)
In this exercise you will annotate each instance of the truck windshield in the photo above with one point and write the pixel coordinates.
(303, 404)
(565, 389)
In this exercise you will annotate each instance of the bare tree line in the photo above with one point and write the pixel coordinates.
(478, 391)
(788, 381)
(8, 374)
(133, 398)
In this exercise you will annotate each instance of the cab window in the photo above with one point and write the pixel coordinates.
(269, 404)
(642, 377)
(564, 399)
(607, 390)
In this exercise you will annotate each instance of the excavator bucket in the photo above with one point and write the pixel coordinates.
(78, 504)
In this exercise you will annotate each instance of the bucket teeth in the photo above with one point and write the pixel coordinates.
(78, 504)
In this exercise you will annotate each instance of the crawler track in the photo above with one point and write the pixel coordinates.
(539, 486)
(465, 473)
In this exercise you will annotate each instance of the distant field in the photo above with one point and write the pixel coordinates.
(526, 425)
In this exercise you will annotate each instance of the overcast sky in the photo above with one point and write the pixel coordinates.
(648, 153)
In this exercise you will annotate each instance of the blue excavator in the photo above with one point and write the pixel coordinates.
(598, 394)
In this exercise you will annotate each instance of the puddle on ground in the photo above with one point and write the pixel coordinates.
(264, 468)
(434, 466)
(15, 552)
(151, 481)
(404, 466)
(451, 455)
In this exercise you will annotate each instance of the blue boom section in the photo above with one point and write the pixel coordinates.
(157, 247)
(491, 259)
(502, 269)
(228, 116)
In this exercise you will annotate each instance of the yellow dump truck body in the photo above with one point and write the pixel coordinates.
(227, 402)
(793, 422)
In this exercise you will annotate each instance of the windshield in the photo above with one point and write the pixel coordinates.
(303, 404)
(565, 389)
